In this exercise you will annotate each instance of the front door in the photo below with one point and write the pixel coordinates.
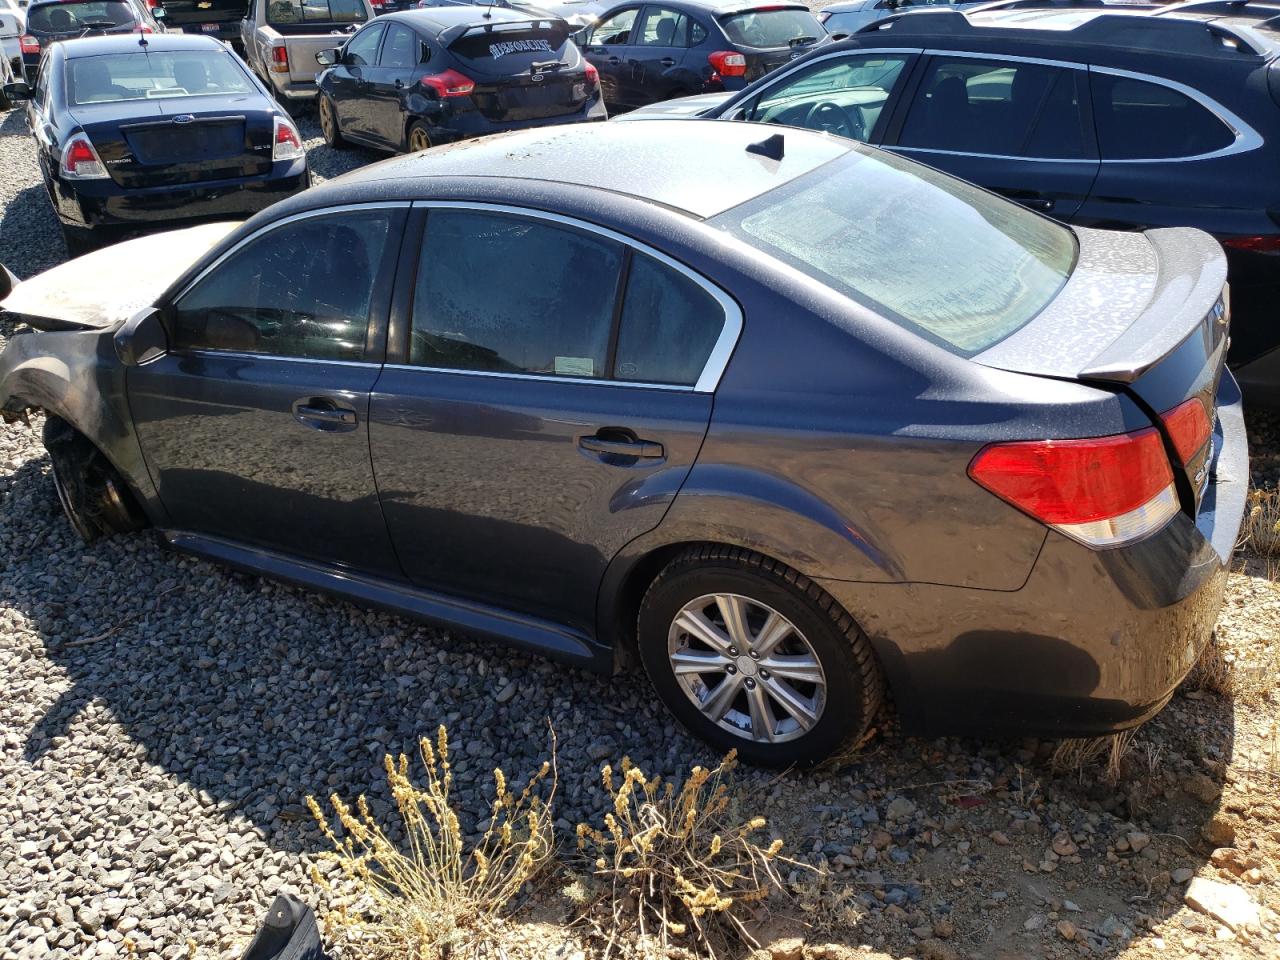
(608, 49)
(255, 424)
(544, 416)
(351, 82)
(1020, 129)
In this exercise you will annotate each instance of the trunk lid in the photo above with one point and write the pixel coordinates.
(197, 13)
(771, 36)
(1145, 313)
(179, 140)
(522, 71)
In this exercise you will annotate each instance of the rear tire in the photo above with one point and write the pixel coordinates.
(329, 127)
(417, 138)
(78, 241)
(808, 694)
(93, 495)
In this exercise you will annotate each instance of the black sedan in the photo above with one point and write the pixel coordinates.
(136, 132)
(798, 421)
(408, 81)
(56, 20)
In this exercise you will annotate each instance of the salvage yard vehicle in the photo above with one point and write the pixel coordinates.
(56, 20)
(651, 52)
(135, 133)
(1091, 113)
(722, 405)
(850, 16)
(413, 80)
(219, 19)
(282, 37)
(13, 20)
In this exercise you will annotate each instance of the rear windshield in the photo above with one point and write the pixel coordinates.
(953, 263)
(512, 46)
(64, 17)
(771, 28)
(315, 11)
(148, 76)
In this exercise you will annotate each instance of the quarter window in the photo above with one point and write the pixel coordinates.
(844, 97)
(512, 295)
(362, 51)
(669, 326)
(1137, 120)
(304, 289)
(988, 107)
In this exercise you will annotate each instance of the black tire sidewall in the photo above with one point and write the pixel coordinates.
(845, 709)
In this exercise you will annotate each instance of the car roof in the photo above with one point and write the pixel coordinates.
(697, 167)
(462, 15)
(133, 43)
(718, 6)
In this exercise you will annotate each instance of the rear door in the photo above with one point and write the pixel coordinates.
(609, 48)
(658, 46)
(1020, 128)
(540, 414)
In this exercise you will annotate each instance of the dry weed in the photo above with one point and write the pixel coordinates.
(682, 863)
(1261, 533)
(436, 899)
(1108, 752)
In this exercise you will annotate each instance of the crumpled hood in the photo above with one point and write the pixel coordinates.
(107, 286)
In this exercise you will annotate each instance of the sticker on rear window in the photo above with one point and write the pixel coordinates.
(499, 50)
(575, 367)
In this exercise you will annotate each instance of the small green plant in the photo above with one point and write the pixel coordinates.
(434, 898)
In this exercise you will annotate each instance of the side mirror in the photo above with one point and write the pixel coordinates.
(17, 90)
(159, 13)
(141, 338)
(327, 58)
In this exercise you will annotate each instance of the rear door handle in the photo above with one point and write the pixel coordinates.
(667, 62)
(1031, 199)
(320, 413)
(618, 446)
(613, 61)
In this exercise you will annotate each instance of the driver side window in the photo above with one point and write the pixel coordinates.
(362, 51)
(845, 97)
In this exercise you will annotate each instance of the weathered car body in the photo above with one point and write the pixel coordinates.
(281, 40)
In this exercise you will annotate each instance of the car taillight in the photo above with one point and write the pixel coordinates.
(144, 29)
(80, 161)
(279, 60)
(286, 144)
(1189, 428)
(29, 44)
(593, 75)
(727, 63)
(1263, 244)
(449, 83)
(1102, 491)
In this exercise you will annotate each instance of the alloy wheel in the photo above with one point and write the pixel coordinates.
(327, 124)
(747, 668)
(418, 140)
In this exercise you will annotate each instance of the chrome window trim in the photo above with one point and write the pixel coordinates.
(717, 360)
(246, 355)
(780, 76)
(999, 57)
(544, 377)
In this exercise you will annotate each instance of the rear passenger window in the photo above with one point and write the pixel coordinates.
(669, 325)
(993, 108)
(507, 294)
(1137, 120)
(401, 50)
(662, 28)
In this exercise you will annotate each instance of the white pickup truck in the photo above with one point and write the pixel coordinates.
(282, 37)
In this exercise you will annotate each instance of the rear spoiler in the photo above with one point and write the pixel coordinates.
(733, 9)
(455, 33)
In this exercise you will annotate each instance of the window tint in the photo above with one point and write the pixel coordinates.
(616, 29)
(301, 290)
(1137, 120)
(146, 76)
(401, 49)
(362, 51)
(771, 27)
(513, 295)
(987, 107)
(66, 17)
(844, 97)
(669, 325)
(663, 28)
(315, 11)
(939, 256)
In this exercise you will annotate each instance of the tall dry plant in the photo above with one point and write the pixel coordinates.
(678, 863)
(435, 898)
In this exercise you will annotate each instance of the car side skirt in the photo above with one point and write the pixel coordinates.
(543, 637)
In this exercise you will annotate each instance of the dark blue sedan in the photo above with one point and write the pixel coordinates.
(162, 130)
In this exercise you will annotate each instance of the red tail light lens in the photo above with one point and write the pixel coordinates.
(287, 144)
(29, 44)
(1102, 491)
(593, 75)
(1189, 428)
(1266, 244)
(144, 29)
(450, 83)
(728, 63)
(80, 161)
(279, 60)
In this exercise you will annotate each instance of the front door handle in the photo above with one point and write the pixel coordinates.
(613, 61)
(399, 84)
(321, 413)
(667, 62)
(618, 445)
(1032, 199)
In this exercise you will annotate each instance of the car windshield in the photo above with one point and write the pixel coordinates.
(771, 27)
(315, 11)
(148, 76)
(68, 17)
(949, 261)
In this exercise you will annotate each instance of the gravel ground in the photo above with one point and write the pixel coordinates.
(163, 719)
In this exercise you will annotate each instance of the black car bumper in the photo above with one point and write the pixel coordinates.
(227, 31)
(97, 204)
(449, 127)
(1094, 641)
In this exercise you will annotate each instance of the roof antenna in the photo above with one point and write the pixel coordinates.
(771, 147)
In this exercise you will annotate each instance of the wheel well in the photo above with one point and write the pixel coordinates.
(64, 441)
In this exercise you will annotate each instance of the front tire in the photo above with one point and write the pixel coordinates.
(329, 123)
(93, 495)
(753, 656)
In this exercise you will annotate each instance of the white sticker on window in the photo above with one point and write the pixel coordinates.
(497, 50)
(575, 367)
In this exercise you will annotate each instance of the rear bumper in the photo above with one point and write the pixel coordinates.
(472, 123)
(1094, 642)
(102, 203)
(227, 30)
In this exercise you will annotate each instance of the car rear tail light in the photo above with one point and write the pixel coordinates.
(286, 144)
(279, 60)
(593, 75)
(1103, 491)
(449, 83)
(728, 63)
(1189, 428)
(29, 44)
(80, 161)
(1262, 244)
(144, 29)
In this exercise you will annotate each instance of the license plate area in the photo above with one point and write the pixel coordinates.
(210, 27)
